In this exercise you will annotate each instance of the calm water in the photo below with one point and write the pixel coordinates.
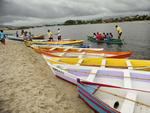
(135, 34)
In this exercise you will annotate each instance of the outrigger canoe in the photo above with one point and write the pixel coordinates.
(111, 41)
(62, 42)
(111, 76)
(81, 53)
(104, 62)
(66, 49)
(12, 37)
(61, 45)
(108, 90)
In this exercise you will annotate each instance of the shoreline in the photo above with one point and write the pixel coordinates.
(27, 84)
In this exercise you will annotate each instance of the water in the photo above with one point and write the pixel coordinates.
(136, 35)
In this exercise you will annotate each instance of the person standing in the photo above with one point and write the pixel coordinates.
(2, 37)
(59, 34)
(30, 36)
(17, 34)
(119, 31)
(25, 35)
(22, 32)
(50, 35)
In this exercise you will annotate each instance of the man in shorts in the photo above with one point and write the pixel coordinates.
(50, 34)
(119, 31)
(59, 35)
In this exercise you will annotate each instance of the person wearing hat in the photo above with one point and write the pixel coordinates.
(119, 31)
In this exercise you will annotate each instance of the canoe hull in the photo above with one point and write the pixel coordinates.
(103, 98)
(91, 53)
(11, 37)
(71, 73)
(97, 105)
(68, 42)
(106, 62)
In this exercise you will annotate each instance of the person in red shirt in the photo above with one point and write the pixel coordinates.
(99, 36)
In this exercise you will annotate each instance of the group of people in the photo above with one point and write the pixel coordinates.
(107, 36)
(26, 35)
(104, 36)
(50, 35)
(2, 37)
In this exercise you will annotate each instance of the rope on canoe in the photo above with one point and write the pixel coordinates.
(110, 93)
(137, 102)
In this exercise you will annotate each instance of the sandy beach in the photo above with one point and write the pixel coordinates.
(27, 84)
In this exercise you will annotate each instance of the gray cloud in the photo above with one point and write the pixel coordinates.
(42, 11)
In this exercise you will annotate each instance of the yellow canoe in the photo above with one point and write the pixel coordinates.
(104, 62)
(62, 42)
(38, 37)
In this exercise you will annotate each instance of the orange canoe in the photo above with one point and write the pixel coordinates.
(79, 53)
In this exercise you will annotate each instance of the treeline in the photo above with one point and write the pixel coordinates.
(109, 20)
(78, 22)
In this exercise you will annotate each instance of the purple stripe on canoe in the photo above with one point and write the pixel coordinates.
(104, 73)
(139, 75)
(107, 72)
(79, 72)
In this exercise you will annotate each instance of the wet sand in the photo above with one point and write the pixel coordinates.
(27, 84)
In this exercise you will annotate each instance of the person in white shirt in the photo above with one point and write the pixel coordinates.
(59, 34)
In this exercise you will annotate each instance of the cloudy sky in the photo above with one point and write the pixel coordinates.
(34, 12)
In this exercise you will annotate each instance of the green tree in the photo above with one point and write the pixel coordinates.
(70, 22)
